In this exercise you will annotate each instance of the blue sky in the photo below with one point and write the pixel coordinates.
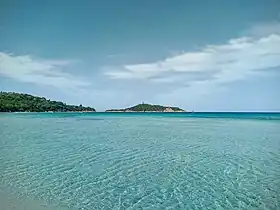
(201, 55)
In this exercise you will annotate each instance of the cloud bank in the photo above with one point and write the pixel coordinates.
(215, 64)
(25, 68)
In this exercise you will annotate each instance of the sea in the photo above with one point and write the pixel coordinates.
(139, 161)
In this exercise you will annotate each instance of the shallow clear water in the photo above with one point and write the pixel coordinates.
(142, 161)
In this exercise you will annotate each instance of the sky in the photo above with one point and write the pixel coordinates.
(198, 55)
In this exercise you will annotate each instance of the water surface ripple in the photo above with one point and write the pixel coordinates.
(110, 161)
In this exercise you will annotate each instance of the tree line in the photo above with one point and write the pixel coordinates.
(18, 102)
(146, 108)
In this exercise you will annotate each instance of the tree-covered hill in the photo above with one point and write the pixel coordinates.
(18, 102)
(147, 108)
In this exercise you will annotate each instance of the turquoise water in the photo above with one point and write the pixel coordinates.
(142, 161)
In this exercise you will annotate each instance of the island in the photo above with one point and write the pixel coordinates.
(19, 102)
(148, 108)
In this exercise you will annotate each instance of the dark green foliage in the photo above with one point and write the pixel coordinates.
(18, 102)
(147, 108)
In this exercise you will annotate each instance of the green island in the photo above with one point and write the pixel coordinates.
(148, 108)
(19, 102)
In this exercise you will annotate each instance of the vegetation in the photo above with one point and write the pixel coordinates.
(18, 102)
(146, 108)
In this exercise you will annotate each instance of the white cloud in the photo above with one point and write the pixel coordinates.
(234, 60)
(264, 29)
(196, 77)
(25, 68)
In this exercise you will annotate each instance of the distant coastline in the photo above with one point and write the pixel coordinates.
(25, 103)
(148, 108)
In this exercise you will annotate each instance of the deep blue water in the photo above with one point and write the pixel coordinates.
(142, 160)
(218, 115)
